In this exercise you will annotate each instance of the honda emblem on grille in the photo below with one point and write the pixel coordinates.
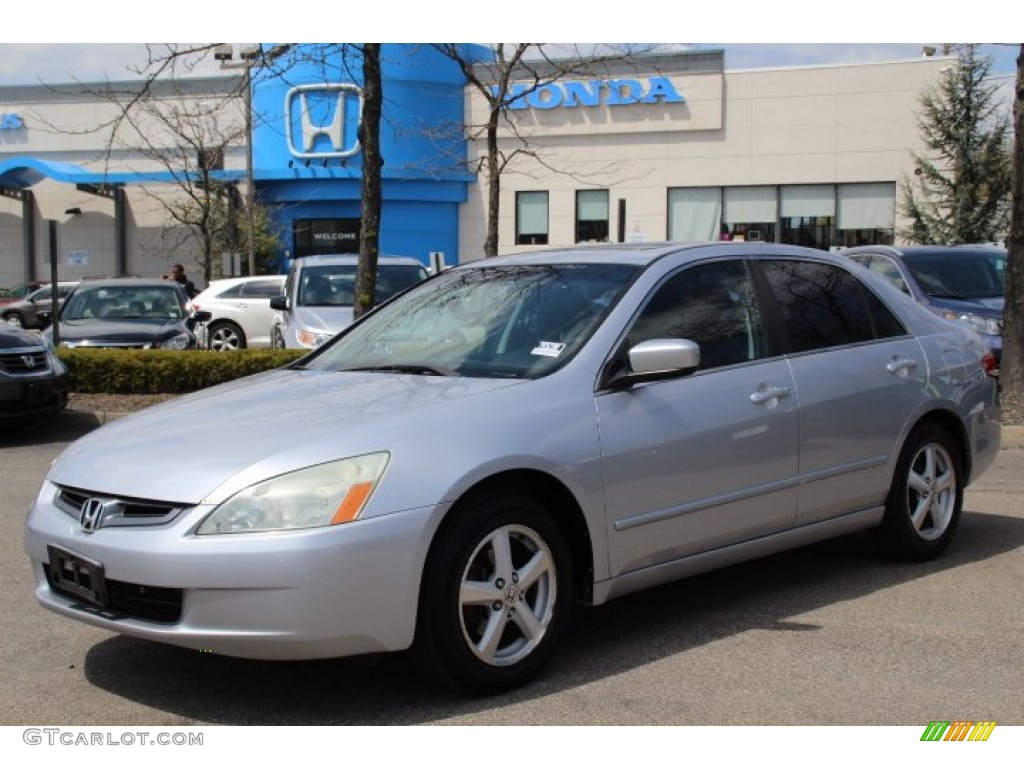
(320, 120)
(91, 516)
(29, 361)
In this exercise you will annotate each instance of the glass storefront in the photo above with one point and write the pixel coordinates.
(812, 215)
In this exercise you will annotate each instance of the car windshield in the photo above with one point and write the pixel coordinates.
(158, 303)
(334, 285)
(503, 321)
(959, 274)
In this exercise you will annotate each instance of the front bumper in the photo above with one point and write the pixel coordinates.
(319, 593)
(25, 397)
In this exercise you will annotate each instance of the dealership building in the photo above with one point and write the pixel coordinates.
(658, 147)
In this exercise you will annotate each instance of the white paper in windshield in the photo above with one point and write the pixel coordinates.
(548, 348)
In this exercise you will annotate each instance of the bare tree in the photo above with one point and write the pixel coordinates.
(188, 139)
(187, 131)
(516, 71)
(1012, 365)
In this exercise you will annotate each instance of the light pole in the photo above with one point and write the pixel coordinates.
(224, 54)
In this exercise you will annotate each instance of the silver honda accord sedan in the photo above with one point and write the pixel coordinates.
(515, 436)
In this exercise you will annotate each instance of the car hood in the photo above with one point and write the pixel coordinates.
(331, 319)
(991, 306)
(14, 339)
(206, 446)
(118, 331)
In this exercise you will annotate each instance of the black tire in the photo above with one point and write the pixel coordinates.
(276, 339)
(923, 508)
(14, 319)
(523, 607)
(225, 336)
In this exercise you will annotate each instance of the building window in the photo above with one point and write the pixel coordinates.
(592, 216)
(531, 218)
(867, 214)
(694, 214)
(808, 213)
(749, 213)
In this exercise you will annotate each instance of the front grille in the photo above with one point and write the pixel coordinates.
(116, 512)
(24, 361)
(132, 601)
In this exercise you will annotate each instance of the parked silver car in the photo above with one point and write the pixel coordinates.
(457, 469)
(319, 293)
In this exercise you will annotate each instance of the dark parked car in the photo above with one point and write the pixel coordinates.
(32, 379)
(35, 309)
(133, 313)
(961, 282)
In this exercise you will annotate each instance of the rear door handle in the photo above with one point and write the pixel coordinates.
(901, 366)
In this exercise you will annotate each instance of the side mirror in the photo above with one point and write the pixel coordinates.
(658, 359)
(279, 303)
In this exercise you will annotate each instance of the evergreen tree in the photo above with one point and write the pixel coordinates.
(961, 189)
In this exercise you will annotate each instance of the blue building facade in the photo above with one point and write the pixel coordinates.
(307, 162)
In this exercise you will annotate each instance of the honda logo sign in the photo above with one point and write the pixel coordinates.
(322, 121)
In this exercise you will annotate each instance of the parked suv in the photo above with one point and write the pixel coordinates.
(957, 282)
(240, 311)
(35, 309)
(319, 293)
(32, 378)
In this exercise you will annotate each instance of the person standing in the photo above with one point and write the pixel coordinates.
(177, 274)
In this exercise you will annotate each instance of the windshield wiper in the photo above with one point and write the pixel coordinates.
(414, 368)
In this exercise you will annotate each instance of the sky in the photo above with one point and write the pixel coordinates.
(60, 41)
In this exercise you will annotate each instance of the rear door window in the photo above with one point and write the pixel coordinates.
(822, 305)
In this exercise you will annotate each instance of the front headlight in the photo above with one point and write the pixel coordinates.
(56, 364)
(989, 326)
(327, 494)
(181, 341)
(312, 338)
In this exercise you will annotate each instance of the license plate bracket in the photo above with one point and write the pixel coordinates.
(77, 576)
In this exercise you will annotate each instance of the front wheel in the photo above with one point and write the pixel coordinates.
(924, 503)
(496, 595)
(15, 320)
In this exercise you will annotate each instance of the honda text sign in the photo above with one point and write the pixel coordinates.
(322, 120)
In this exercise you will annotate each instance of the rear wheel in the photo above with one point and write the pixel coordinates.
(226, 336)
(924, 504)
(496, 595)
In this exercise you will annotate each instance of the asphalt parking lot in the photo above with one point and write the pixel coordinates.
(827, 635)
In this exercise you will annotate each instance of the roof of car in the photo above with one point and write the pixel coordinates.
(910, 251)
(642, 254)
(353, 258)
(247, 279)
(139, 282)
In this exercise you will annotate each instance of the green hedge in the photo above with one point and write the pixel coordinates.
(154, 371)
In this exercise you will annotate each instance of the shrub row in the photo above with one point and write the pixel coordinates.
(154, 371)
